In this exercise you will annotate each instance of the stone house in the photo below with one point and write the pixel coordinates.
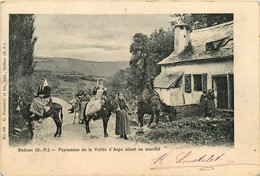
(202, 60)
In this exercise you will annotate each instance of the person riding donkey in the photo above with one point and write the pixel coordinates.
(79, 96)
(76, 99)
(82, 104)
(42, 101)
(149, 103)
(78, 103)
(149, 94)
(98, 96)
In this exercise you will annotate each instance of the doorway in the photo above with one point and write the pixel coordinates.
(221, 88)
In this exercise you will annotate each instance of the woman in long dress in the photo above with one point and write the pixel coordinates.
(210, 102)
(42, 99)
(94, 105)
(122, 121)
(203, 103)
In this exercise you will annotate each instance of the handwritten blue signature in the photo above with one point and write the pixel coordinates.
(203, 162)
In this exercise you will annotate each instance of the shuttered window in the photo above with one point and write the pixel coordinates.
(204, 82)
(188, 83)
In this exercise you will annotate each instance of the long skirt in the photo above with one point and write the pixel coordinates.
(203, 108)
(210, 106)
(39, 105)
(82, 108)
(122, 123)
(93, 106)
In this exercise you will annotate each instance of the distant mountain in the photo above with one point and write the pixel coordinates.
(103, 69)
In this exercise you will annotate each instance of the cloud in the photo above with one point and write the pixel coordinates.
(92, 37)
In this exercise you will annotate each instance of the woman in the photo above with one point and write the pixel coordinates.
(203, 103)
(210, 102)
(84, 100)
(79, 102)
(99, 93)
(122, 121)
(42, 102)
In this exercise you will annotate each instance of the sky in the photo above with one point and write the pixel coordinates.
(101, 38)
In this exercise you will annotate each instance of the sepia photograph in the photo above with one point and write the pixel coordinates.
(149, 88)
(92, 77)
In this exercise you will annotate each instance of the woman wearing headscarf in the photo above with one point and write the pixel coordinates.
(122, 121)
(98, 94)
(42, 101)
(203, 103)
(210, 102)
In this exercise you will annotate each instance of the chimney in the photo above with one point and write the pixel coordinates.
(181, 37)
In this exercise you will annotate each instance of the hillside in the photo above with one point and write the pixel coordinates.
(103, 69)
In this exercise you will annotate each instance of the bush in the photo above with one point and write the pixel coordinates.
(216, 131)
(22, 88)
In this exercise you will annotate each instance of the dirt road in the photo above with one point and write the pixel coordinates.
(74, 134)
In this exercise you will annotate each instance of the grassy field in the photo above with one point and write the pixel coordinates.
(192, 130)
(66, 74)
(88, 68)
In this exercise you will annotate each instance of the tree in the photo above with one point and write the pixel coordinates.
(139, 60)
(21, 48)
(160, 46)
(146, 53)
(198, 21)
(21, 45)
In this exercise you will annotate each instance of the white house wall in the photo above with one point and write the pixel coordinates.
(178, 96)
(173, 97)
(164, 95)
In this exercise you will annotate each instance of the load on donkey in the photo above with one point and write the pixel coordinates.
(99, 105)
(150, 103)
(40, 108)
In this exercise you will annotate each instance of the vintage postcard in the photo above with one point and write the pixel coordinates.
(129, 88)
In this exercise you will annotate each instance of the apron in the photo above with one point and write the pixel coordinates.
(94, 105)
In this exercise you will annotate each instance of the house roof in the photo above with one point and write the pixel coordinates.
(167, 79)
(197, 49)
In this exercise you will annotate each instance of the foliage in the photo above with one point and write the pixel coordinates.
(161, 46)
(21, 42)
(21, 88)
(21, 48)
(121, 82)
(147, 51)
(198, 131)
(198, 21)
(139, 60)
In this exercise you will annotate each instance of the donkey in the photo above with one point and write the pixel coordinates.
(105, 113)
(55, 112)
(155, 108)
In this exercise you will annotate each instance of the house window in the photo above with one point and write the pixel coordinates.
(197, 82)
(216, 45)
(188, 83)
